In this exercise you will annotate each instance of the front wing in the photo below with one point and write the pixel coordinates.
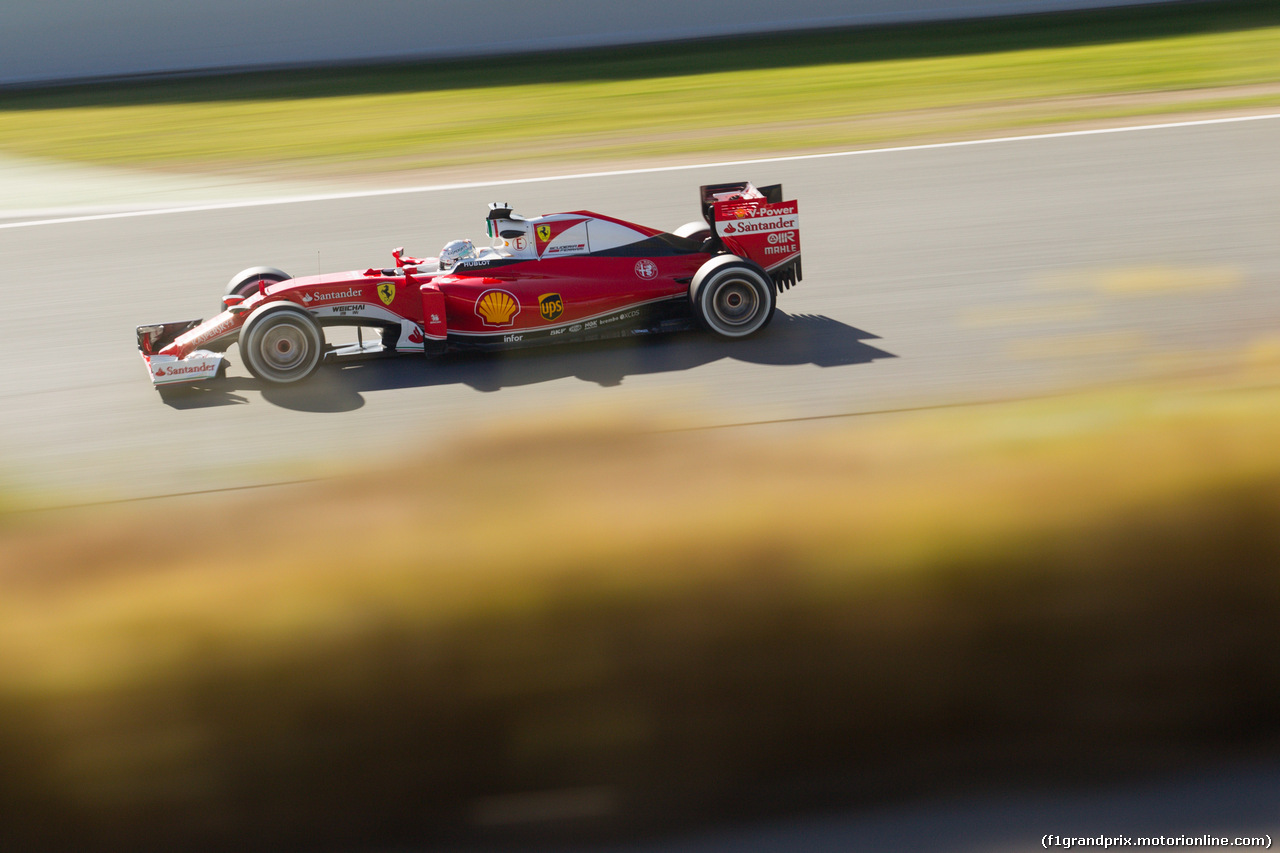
(170, 369)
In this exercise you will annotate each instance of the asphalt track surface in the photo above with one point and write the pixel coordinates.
(934, 276)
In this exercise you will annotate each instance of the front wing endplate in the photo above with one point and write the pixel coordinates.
(171, 370)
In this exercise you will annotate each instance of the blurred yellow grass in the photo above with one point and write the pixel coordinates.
(1164, 279)
(819, 91)
(490, 516)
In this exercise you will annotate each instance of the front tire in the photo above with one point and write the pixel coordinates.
(281, 343)
(732, 297)
(245, 282)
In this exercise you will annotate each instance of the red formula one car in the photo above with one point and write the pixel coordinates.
(550, 279)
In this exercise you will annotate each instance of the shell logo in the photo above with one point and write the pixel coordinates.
(497, 308)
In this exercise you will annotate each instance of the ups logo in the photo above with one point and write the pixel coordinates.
(550, 305)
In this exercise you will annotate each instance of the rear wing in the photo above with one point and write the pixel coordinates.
(755, 224)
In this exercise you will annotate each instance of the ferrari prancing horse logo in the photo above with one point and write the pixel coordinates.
(544, 233)
(386, 292)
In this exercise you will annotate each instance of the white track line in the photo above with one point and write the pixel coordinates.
(230, 205)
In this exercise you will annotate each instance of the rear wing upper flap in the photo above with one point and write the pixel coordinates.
(712, 194)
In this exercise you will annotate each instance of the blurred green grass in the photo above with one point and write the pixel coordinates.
(667, 626)
(751, 96)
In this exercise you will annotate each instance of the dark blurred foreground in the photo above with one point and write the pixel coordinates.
(842, 628)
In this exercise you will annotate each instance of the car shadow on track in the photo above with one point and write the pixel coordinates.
(789, 340)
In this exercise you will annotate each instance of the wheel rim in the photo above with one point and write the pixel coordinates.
(735, 303)
(284, 347)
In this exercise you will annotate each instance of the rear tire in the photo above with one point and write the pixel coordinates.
(696, 231)
(281, 343)
(732, 297)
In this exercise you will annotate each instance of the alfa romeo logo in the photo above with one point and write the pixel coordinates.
(646, 269)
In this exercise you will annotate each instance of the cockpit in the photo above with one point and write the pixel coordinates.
(511, 237)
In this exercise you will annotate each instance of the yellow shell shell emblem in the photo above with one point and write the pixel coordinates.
(497, 308)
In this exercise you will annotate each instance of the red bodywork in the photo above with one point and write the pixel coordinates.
(568, 276)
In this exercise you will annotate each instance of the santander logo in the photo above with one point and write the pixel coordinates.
(349, 293)
(183, 369)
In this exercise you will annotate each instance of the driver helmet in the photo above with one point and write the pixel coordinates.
(455, 252)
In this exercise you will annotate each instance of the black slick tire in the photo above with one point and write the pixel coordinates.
(732, 297)
(697, 231)
(245, 282)
(281, 343)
